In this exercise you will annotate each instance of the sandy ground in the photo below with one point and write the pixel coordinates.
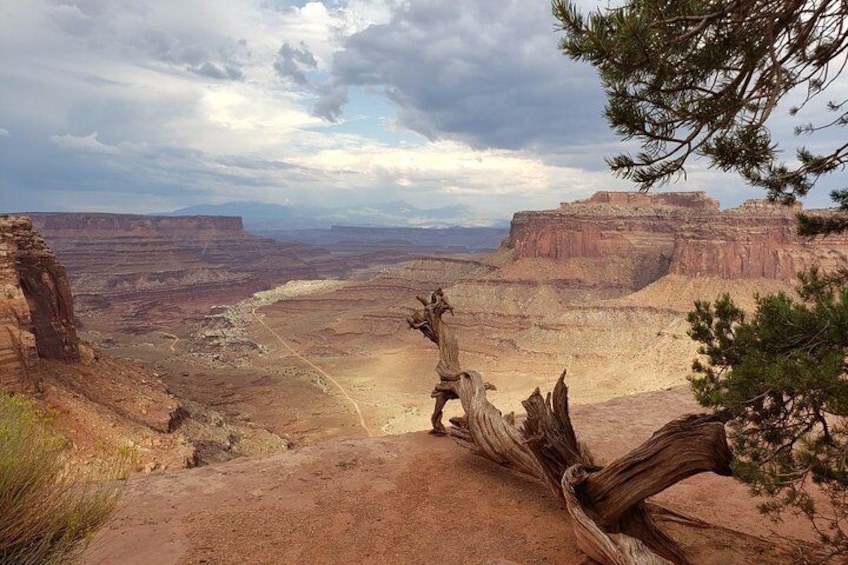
(413, 498)
(338, 373)
(336, 359)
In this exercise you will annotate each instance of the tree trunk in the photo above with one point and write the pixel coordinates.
(684, 447)
(612, 549)
(611, 522)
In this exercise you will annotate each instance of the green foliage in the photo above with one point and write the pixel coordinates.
(703, 77)
(49, 510)
(780, 382)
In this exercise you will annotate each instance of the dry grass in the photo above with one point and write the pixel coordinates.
(50, 508)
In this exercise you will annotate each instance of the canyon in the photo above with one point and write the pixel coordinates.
(140, 271)
(102, 404)
(598, 286)
(142, 268)
(248, 346)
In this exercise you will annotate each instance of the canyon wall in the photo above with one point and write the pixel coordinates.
(139, 273)
(632, 239)
(36, 309)
(755, 240)
(147, 269)
(133, 224)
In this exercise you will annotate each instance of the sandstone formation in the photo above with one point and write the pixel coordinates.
(151, 268)
(149, 273)
(36, 309)
(756, 240)
(101, 404)
(622, 239)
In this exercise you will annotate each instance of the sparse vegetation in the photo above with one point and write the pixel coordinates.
(703, 78)
(50, 509)
(780, 381)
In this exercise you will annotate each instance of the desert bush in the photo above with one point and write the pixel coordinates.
(50, 508)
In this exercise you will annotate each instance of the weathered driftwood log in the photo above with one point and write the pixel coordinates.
(614, 549)
(430, 323)
(491, 434)
(550, 436)
(611, 521)
(684, 447)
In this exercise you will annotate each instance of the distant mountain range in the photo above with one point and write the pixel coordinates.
(261, 216)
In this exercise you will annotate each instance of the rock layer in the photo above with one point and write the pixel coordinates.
(756, 240)
(36, 308)
(632, 239)
(153, 267)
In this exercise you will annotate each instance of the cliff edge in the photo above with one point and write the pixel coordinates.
(36, 307)
(631, 239)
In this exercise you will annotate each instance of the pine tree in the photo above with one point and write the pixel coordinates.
(780, 382)
(702, 77)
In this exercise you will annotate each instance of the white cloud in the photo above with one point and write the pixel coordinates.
(84, 144)
(154, 105)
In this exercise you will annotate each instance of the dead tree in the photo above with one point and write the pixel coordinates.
(611, 521)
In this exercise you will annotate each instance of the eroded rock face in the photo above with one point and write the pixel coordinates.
(756, 240)
(36, 308)
(632, 239)
(145, 270)
(612, 239)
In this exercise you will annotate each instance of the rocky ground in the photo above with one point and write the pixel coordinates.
(414, 498)
(336, 374)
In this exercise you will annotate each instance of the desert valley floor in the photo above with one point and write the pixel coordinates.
(286, 376)
(331, 367)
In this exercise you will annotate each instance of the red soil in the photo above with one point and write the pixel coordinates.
(414, 498)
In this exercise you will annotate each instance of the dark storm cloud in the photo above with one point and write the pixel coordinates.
(103, 25)
(294, 62)
(331, 101)
(219, 62)
(489, 75)
(50, 172)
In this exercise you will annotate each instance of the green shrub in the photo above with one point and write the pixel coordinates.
(779, 378)
(49, 508)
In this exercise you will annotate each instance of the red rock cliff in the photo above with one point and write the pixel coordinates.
(149, 270)
(756, 240)
(645, 236)
(612, 239)
(36, 308)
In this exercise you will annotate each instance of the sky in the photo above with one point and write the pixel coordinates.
(149, 106)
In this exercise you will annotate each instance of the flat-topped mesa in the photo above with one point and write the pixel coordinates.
(630, 239)
(133, 224)
(36, 308)
(613, 239)
(148, 271)
(608, 223)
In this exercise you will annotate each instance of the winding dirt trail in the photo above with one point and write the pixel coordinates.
(321, 371)
(173, 345)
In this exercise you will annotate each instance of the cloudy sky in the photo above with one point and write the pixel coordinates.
(149, 106)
